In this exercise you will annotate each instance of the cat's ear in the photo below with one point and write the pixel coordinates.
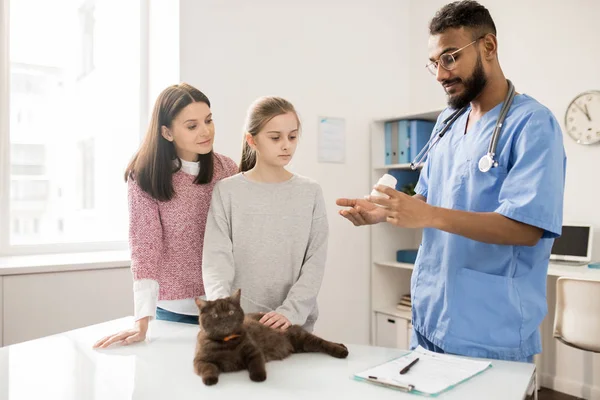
(236, 296)
(200, 303)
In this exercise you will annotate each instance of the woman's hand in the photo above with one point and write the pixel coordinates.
(137, 334)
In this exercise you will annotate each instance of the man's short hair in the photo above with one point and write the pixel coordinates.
(465, 13)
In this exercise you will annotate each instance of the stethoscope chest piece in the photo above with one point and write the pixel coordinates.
(487, 162)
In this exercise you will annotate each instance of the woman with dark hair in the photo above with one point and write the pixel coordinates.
(170, 180)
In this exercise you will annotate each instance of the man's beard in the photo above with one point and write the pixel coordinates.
(473, 87)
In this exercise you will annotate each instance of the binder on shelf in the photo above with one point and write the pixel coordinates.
(404, 139)
(404, 134)
(391, 142)
(388, 143)
(420, 132)
(395, 142)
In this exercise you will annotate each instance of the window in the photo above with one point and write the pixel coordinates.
(75, 103)
(85, 174)
(86, 26)
(27, 159)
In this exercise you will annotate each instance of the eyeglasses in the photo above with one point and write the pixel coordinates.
(447, 60)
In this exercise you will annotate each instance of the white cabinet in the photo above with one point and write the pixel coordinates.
(392, 331)
(37, 305)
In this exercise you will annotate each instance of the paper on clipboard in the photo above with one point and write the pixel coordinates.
(432, 375)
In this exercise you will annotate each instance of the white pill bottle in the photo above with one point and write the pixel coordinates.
(386, 180)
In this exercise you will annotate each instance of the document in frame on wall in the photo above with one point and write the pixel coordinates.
(332, 140)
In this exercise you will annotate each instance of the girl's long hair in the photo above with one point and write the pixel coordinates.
(260, 113)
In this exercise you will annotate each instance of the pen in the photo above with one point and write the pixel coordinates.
(407, 368)
(391, 384)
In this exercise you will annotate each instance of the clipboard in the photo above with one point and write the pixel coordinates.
(386, 383)
(433, 375)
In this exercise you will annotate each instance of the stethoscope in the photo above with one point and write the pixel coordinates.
(486, 162)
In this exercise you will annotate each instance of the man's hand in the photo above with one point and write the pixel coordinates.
(403, 210)
(487, 227)
(361, 212)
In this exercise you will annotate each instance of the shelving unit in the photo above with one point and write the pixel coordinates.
(390, 280)
(394, 264)
(395, 312)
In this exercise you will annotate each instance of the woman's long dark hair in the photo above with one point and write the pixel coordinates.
(152, 166)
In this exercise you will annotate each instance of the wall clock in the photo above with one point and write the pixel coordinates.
(582, 119)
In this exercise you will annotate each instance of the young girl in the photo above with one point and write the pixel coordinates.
(170, 181)
(267, 228)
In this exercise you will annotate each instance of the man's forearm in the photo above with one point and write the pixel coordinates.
(489, 227)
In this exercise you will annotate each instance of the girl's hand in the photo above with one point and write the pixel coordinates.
(275, 321)
(137, 334)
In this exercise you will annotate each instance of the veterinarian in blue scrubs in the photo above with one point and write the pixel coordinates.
(479, 284)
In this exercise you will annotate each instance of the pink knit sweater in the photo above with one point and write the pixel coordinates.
(166, 238)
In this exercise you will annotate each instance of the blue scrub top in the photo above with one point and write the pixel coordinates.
(478, 299)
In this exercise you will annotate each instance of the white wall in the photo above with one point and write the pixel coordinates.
(329, 58)
(550, 50)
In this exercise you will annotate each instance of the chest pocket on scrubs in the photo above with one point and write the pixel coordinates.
(451, 172)
(457, 197)
(482, 189)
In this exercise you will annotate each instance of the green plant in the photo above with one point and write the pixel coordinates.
(409, 189)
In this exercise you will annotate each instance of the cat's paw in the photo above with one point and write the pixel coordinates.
(210, 380)
(341, 351)
(258, 376)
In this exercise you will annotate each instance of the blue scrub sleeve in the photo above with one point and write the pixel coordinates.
(533, 190)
